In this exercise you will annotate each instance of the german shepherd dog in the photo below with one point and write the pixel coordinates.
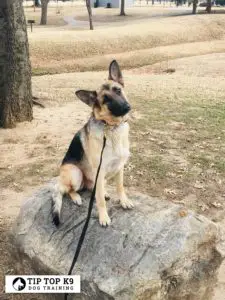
(110, 108)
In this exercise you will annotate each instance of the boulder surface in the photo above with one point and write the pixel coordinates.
(156, 251)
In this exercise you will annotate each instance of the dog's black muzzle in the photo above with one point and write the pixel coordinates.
(119, 109)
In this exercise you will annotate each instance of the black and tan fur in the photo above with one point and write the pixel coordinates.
(110, 109)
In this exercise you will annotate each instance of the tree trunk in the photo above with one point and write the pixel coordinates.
(15, 69)
(195, 3)
(44, 11)
(209, 6)
(88, 4)
(122, 8)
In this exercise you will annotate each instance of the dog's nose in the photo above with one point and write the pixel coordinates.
(127, 108)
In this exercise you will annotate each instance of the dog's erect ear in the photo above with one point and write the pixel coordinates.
(115, 73)
(88, 97)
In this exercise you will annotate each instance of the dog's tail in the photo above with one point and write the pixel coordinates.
(57, 196)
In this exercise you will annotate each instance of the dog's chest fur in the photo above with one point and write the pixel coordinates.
(116, 151)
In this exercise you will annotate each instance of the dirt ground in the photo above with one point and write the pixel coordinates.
(175, 78)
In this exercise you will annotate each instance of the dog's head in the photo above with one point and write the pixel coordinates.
(109, 104)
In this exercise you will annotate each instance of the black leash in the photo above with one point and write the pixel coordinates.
(82, 236)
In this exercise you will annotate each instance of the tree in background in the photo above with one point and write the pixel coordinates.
(209, 6)
(88, 4)
(44, 11)
(195, 3)
(15, 68)
(122, 8)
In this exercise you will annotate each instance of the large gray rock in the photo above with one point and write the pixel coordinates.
(155, 251)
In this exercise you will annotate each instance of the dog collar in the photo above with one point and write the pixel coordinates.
(105, 124)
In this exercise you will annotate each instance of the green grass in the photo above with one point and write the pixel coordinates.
(219, 164)
(209, 162)
(179, 139)
(40, 71)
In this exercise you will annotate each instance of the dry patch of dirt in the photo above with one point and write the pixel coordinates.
(131, 59)
(208, 65)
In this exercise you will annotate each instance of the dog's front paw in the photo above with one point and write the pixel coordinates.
(126, 203)
(104, 219)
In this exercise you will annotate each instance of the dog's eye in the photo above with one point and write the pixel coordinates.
(106, 99)
(117, 90)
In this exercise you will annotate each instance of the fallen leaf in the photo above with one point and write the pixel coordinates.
(170, 192)
(178, 202)
(145, 133)
(198, 185)
(183, 213)
(140, 172)
(203, 206)
(217, 204)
